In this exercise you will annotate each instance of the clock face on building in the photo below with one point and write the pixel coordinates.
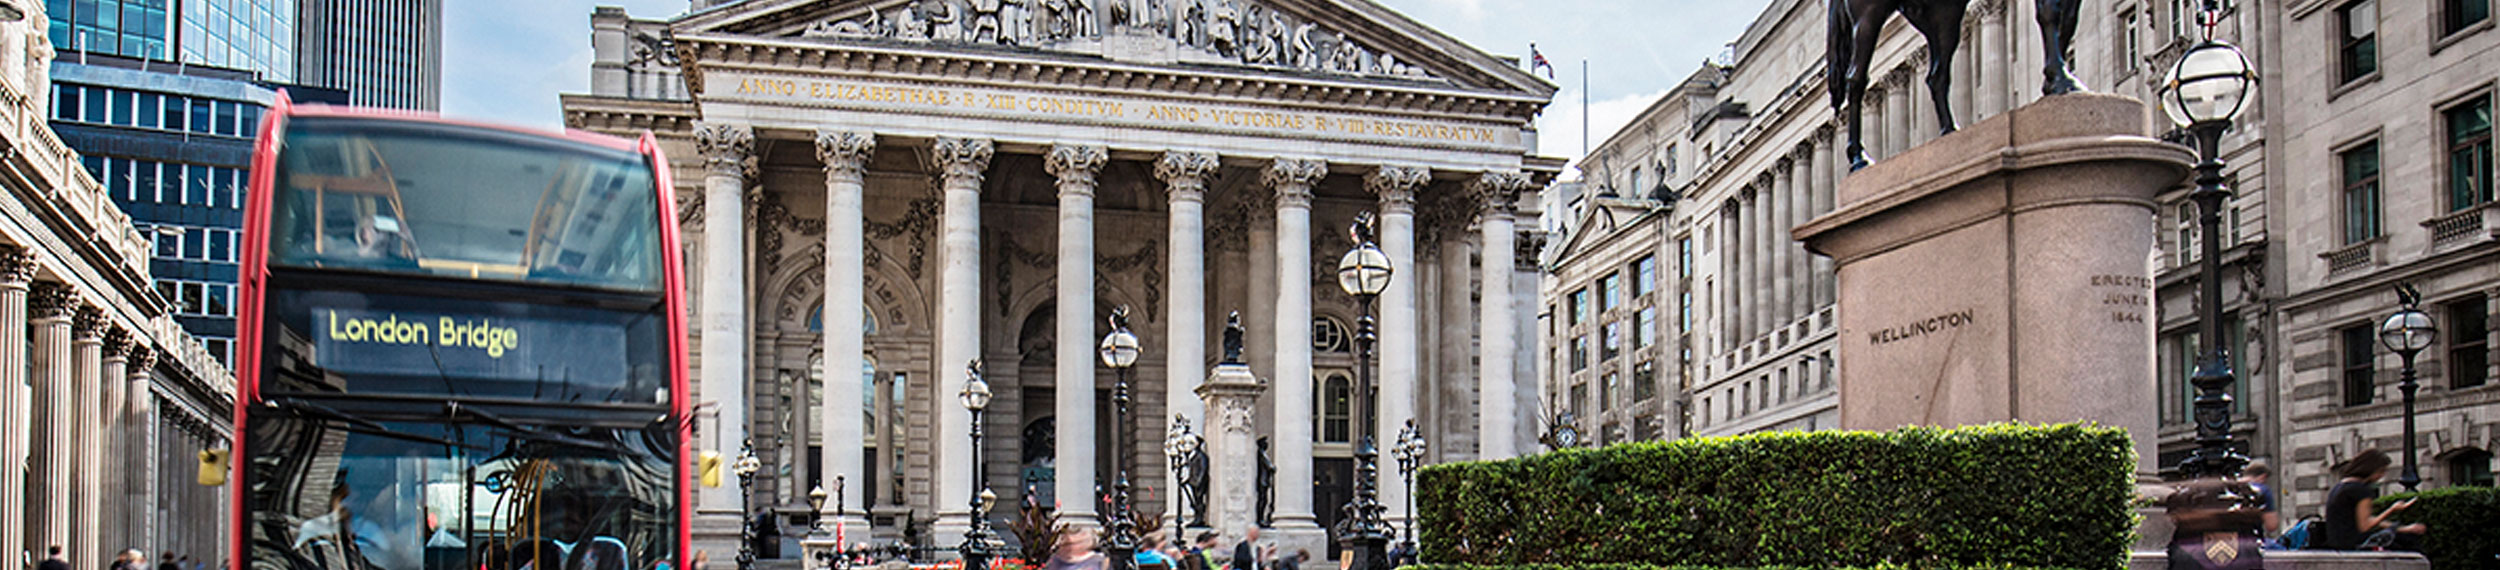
(1567, 436)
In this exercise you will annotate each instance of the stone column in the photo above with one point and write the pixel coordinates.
(1993, 53)
(1760, 284)
(17, 269)
(1800, 262)
(49, 459)
(844, 155)
(1740, 254)
(138, 415)
(1897, 112)
(113, 513)
(1075, 167)
(1497, 422)
(961, 164)
(1453, 320)
(1731, 311)
(1826, 180)
(1871, 117)
(1231, 398)
(1966, 75)
(1292, 180)
(86, 516)
(1400, 328)
(729, 161)
(1923, 124)
(1184, 175)
(1783, 208)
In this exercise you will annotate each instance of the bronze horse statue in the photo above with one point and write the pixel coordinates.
(1857, 24)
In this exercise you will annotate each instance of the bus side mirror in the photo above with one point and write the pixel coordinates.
(212, 468)
(708, 465)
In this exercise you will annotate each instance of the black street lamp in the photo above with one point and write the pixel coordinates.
(979, 542)
(2408, 332)
(2203, 93)
(1364, 273)
(1410, 454)
(746, 467)
(1120, 351)
(1181, 447)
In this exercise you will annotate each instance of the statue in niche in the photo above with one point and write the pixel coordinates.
(1232, 338)
(909, 26)
(1051, 23)
(1258, 45)
(1301, 53)
(985, 25)
(1855, 27)
(1081, 23)
(1189, 23)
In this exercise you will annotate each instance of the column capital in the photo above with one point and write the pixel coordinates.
(727, 149)
(961, 158)
(1292, 178)
(1497, 192)
(87, 323)
(1529, 247)
(1779, 168)
(50, 300)
(117, 341)
(1075, 166)
(17, 265)
(1396, 185)
(845, 153)
(140, 357)
(1186, 173)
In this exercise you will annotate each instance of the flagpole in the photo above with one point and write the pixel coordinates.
(1584, 108)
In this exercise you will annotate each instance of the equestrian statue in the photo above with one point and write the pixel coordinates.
(1857, 24)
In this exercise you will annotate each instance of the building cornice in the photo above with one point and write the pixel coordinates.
(627, 117)
(1024, 69)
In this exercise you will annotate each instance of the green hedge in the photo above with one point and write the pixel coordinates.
(2464, 521)
(2002, 494)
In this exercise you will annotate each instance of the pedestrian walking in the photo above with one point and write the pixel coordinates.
(1197, 557)
(52, 560)
(1076, 552)
(131, 559)
(1246, 554)
(167, 562)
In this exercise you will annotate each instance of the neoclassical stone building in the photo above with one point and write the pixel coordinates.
(986, 179)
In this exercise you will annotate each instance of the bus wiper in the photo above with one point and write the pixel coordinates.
(358, 424)
(455, 410)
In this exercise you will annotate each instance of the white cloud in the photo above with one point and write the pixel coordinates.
(1558, 130)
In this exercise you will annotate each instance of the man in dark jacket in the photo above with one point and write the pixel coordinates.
(1246, 554)
(52, 560)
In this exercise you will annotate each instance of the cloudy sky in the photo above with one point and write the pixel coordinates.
(505, 61)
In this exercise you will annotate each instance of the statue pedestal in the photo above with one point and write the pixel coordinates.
(818, 550)
(1232, 400)
(2003, 273)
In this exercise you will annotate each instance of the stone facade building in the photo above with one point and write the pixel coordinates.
(986, 180)
(112, 398)
(2362, 161)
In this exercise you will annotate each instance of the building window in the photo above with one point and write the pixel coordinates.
(1644, 327)
(2360, 344)
(1644, 381)
(1328, 335)
(1644, 275)
(2469, 343)
(2469, 152)
(2457, 15)
(2357, 35)
(1337, 412)
(1579, 402)
(1614, 341)
(1826, 370)
(1607, 389)
(2361, 205)
(2469, 467)
(2186, 254)
(1579, 307)
(2134, 51)
(1610, 292)
(1579, 353)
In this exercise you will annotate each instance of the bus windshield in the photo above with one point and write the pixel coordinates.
(465, 202)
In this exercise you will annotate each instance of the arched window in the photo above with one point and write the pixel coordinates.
(2469, 468)
(1336, 409)
(867, 319)
(1328, 335)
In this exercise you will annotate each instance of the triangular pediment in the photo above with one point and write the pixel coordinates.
(1604, 218)
(1339, 39)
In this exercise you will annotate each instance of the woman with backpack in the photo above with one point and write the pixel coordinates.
(2353, 520)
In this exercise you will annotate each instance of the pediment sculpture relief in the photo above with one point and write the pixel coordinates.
(1237, 32)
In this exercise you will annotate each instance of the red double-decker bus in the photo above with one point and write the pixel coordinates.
(461, 347)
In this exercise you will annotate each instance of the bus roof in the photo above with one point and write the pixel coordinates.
(327, 110)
